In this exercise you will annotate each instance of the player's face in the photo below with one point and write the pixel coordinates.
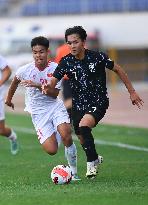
(40, 54)
(76, 45)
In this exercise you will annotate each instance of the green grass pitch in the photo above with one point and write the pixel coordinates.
(122, 178)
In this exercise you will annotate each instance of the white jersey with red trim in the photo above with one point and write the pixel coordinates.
(3, 64)
(35, 101)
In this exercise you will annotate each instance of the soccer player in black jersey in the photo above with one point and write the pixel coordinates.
(87, 77)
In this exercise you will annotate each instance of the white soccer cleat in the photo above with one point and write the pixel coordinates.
(97, 162)
(91, 170)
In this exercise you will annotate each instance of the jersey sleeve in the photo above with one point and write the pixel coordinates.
(59, 85)
(20, 73)
(60, 70)
(108, 63)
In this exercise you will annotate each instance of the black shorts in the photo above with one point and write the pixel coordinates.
(98, 114)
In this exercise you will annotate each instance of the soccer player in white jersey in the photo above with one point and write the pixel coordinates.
(49, 115)
(5, 73)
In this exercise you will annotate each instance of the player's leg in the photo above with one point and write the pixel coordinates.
(4, 131)
(70, 148)
(11, 135)
(62, 123)
(87, 142)
(46, 132)
(90, 120)
(83, 123)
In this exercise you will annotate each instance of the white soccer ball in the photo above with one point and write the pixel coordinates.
(61, 174)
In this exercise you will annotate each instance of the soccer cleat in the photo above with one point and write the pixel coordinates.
(97, 162)
(91, 170)
(14, 146)
(75, 178)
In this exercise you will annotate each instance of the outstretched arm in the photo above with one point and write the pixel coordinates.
(30, 83)
(11, 91)
(136, 100)
(52, 92)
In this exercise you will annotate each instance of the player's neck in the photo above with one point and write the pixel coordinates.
(41, 67)
(81, 55)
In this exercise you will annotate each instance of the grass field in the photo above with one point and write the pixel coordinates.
(123, 177)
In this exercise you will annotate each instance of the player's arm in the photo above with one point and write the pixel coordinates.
(6, 72)
(11, 91)
(30, 83)
(50, 88)
(52, 91)
(136, 100)
(57, 76)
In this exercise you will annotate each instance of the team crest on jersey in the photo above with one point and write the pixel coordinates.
(49, 75)
(91, 67)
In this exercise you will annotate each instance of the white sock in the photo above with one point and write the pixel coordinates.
(71, 156)
(12, 136)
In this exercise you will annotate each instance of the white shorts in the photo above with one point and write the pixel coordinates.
(46, 123)
(2, 109)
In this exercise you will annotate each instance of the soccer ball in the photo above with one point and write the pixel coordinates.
(61, 174)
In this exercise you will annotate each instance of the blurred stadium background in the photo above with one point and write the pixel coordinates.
(118, 27)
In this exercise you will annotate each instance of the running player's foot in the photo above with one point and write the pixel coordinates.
(97, 162)
(14, 146)
(91, 170)
(75, 178)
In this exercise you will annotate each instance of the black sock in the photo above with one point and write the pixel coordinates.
(88, 145)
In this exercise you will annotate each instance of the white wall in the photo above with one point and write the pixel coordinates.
(116, 30)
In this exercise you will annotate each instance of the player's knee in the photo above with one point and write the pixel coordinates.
(85, 132)
(2, 131)
(51, 152)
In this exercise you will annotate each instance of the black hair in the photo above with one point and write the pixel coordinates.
(40, 40)
(76, 30)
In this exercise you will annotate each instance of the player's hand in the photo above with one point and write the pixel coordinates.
(28, 83)
(45, 87)
(9, 103)
(136, 100)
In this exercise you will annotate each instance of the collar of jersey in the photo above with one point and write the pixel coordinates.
(44, 67)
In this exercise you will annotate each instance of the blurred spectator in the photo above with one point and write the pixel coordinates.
(62, 51)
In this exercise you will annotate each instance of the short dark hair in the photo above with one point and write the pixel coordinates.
(76, 30)
(40, 40)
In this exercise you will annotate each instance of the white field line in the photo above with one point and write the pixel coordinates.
(102, 142)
